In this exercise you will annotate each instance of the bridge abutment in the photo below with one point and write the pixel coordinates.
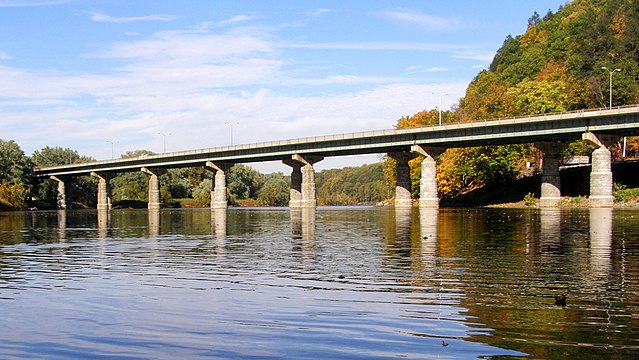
(154, 200)
(428, 196)
(104, 191)
(550, 179)
(61, 197)
(218, 193)
(302, 193)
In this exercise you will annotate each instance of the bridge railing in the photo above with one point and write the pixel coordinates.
(372, 134)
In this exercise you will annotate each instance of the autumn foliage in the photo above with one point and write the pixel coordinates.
(555, 66)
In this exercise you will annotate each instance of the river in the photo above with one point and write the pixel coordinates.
(351, 282)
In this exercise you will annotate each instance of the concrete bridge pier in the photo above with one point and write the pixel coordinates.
(303, 180)
(104, 191)
(61, 198)
(154, 186)
(601, 170)
(218, 193)
(403, 195)
(295, 198)
(428, 196)
(550, 180)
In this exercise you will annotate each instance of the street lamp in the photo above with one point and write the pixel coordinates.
(439, 107)
(163, 140)
(111, 141)
(231, 125)
(610, 73)
(623, 155)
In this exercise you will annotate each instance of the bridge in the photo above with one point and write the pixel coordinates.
(549, 133)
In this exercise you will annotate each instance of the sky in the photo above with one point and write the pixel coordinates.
(104, 77)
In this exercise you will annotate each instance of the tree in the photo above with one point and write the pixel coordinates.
(242, 182)
(15, 176)
(12, 196)
(15, 167)
(131, 185)
(275, 190)
(80, 191)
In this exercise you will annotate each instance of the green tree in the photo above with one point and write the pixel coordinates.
(15, 167)
(275, 190)
(202, 192)
(131, 186)
(242, 182)
(81, 191)
(353, 185)
(12, 196)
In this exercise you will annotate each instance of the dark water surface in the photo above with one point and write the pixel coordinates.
(327, 283)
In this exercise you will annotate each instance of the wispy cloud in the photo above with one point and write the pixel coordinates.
(4, 56)
(317, 12)
(418, 69)
(189, 82)
(31, 3)
(425, 21)
(100, 17)
(237, 19)
(382, 46)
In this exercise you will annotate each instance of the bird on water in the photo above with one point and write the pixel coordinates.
(560, 300)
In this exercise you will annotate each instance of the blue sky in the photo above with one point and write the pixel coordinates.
(95, 73)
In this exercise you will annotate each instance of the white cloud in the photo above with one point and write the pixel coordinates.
(4, 56)
(425, 21)
(417, 69)
(188, 84)
(99, 17)
(237, 19)
(318, 12)
(31, 3)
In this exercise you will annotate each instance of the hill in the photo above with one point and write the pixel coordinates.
(562, 62)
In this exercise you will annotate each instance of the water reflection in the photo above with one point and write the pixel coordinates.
(428, 219)
(104, 219)
(218, 228)
(550, 225)
(403, 224)
(600, 241)
(62, 225)
(464, 277)
(154, 222)
(303, 223)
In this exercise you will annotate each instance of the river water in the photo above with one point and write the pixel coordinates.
(353, 282)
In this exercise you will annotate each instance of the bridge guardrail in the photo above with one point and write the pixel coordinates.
(374, 133)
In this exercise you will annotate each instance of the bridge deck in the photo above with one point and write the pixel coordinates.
(621, 121)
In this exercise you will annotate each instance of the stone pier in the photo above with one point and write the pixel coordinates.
(403, 196)
(61, 198)
(428, 196)
(218, 192)
(550, 180)
(302, 193)
(601, 170)
(154, 186)
(104, 191)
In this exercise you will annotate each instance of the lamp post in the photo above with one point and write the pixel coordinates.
(623, 155)
(439, 106)
(231, 125)
(111, 141)
(610, 73)
(163, 140)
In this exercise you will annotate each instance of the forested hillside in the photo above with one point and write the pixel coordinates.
(352, 186)
(562, 62)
